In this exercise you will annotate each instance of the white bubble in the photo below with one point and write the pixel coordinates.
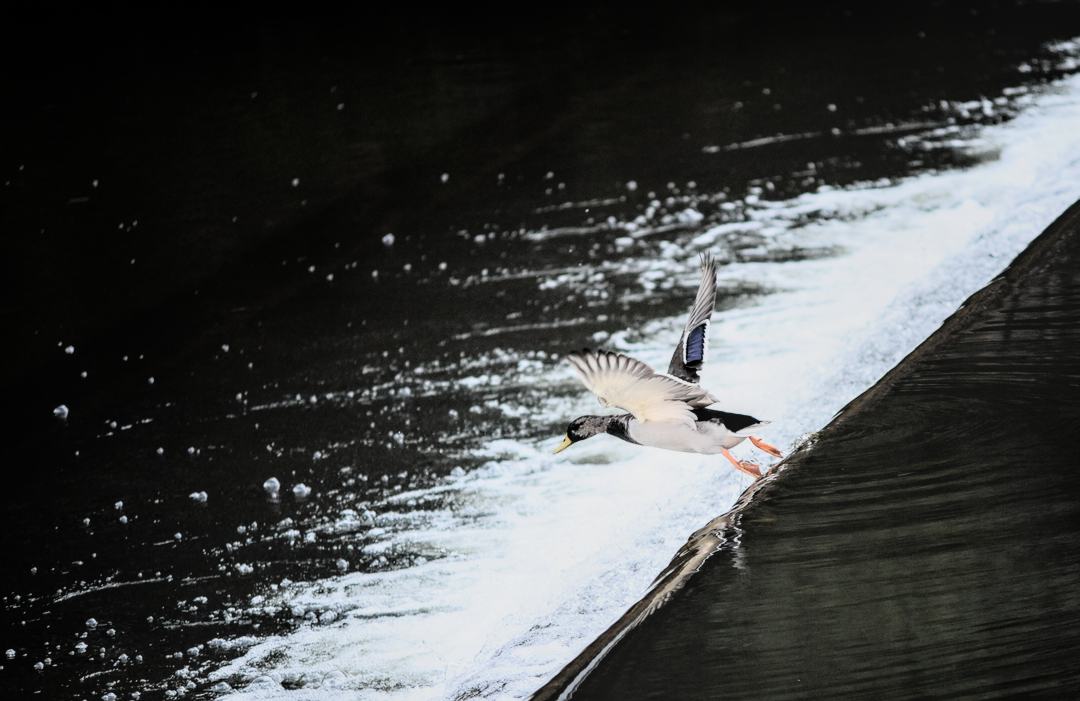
(61, 412)
(272, 486)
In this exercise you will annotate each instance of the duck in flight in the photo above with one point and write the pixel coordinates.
(666, 410)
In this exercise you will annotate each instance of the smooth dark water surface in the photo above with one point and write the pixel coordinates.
(926, 546)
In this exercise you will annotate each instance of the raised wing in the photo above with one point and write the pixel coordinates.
(694, 342)
(619, 380)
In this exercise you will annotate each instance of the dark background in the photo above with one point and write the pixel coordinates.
(195, 120)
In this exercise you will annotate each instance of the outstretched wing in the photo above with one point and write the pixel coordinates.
(694, 342)
(619, 380)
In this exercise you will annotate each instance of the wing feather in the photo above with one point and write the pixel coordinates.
(619, 380)
(694, 343)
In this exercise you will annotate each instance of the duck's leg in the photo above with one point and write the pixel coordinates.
(762, 445)
(743, 465)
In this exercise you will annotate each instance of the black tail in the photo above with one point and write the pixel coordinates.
(733, 422)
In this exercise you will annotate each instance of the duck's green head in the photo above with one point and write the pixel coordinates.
(583, 427)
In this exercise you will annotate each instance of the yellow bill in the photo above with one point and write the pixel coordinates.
(564, 445)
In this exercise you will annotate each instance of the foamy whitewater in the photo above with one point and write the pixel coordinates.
(547, 551)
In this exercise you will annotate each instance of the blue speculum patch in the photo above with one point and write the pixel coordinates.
(695, 344)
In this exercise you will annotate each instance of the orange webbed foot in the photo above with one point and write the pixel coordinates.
(762, 445)
(744, 466)
(750, 468)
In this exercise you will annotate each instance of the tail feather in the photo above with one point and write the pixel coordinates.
(748, 430)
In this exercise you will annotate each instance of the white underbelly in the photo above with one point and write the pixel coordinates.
(707, 438)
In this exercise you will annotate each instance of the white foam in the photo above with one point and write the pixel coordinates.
(544, 552)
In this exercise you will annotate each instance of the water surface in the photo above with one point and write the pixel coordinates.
(208, 230)
(926, 546)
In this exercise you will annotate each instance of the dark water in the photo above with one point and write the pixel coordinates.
(151, 222)
(928, 545)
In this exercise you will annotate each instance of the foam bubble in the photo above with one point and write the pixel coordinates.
(272, 486)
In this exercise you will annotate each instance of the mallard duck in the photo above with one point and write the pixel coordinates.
(666, 410)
